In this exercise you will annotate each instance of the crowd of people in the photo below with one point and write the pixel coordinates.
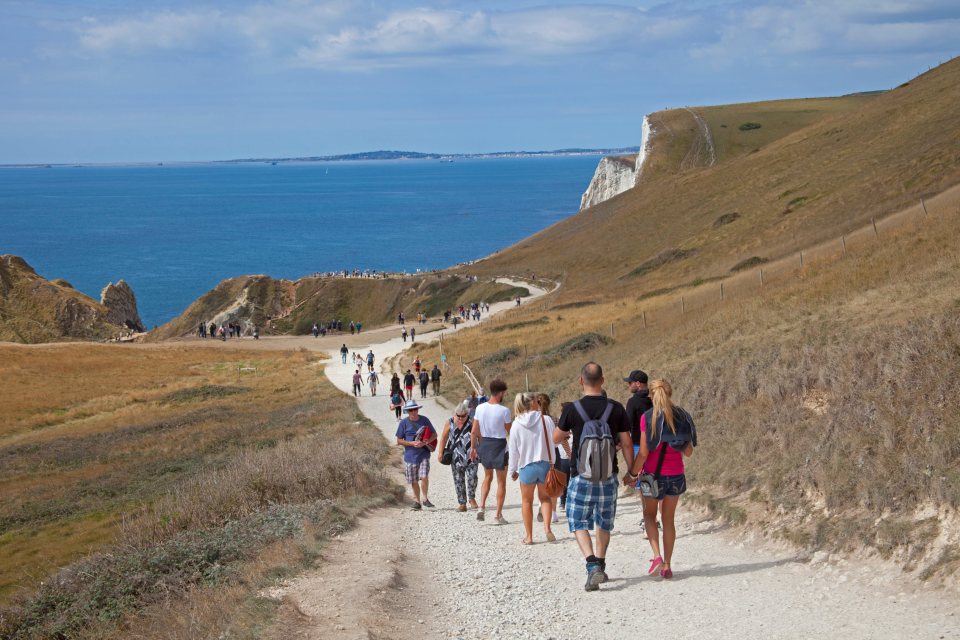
(224, 331)
(572, 459)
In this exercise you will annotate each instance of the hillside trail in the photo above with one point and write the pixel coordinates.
(439, 573)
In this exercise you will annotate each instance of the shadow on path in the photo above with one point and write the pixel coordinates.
(704, 571)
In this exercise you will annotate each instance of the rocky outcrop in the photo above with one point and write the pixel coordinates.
(121, 306)
(34, 309)
(616, 174)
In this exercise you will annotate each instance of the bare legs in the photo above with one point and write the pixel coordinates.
(526, 510)
(586, 544)
(421, 488)
(668, 512)
(501, 489)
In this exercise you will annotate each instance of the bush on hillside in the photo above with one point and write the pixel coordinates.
(664, 257)
(753, 261)
(726, 219)
(749, 126)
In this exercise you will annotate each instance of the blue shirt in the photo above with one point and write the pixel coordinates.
(407, 430)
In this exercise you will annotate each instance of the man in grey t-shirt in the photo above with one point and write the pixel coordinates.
(491, 427)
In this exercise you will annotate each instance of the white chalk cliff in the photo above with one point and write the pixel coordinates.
(616, 174)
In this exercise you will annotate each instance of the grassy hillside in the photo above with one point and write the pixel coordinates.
(877, 155)
(827, 414)
(283, 306)
(33, 309)
(177, 466)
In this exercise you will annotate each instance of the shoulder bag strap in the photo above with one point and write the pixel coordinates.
(663, 454)
(543, 421)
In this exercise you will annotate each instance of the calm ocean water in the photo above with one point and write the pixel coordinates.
(174, 232)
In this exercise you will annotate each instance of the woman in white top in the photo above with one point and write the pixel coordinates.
(531, 456)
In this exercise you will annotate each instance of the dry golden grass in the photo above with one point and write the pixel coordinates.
(799, 189)
(94, 431)
(829, 388)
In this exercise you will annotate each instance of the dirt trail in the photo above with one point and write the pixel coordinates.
(441, 573)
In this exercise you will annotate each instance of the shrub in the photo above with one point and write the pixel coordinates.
(499, 357)
(664, 257)
(725, 219)
(749, 126)
(750, 262)
(204, 392)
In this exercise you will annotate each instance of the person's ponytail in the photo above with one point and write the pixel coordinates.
(660, 392)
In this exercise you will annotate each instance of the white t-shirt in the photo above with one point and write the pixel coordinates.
(493, 419)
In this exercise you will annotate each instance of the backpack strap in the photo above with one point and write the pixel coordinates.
(606, 412)
(663, 454)
(581, 411)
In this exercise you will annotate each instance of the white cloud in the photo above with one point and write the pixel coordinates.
(367, 34)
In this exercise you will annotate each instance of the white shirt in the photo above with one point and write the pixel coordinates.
(493, 419)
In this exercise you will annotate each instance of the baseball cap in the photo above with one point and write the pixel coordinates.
(636, 376)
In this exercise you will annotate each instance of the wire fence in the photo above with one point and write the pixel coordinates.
(668, 307)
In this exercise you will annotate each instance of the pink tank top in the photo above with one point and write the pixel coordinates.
(672, 461)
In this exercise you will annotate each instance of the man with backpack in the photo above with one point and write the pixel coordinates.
(597, 425)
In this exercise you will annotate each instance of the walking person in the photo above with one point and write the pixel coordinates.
(413, 335)
(669, 435)
(357, 381)
(372, 380)
(638, 404)
(456, 438)
(491, 428)
(561, 454)
(396, 400)
(435, 379)
(424, 382)
(403, 333)
(316, 330)
(597, 424)
(530, 458)
(370, 360)
(408, 382)
(418, 437)
(343, 353)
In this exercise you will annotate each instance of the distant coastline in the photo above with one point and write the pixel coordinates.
(347, 157)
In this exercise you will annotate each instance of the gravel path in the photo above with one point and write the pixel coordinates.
(484, 583)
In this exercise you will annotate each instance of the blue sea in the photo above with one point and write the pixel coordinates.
(174, 231)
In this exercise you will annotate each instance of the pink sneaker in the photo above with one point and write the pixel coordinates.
(666, 574)
(656, 562)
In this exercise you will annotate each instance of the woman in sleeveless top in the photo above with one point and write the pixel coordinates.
(668, 437)
(457, 431)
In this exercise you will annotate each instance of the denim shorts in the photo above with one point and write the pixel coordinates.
(671, 486)
(534, 473)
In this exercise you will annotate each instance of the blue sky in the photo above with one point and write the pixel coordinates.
(116, 80)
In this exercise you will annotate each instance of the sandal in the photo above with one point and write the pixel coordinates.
(551, 537)
(654, 564)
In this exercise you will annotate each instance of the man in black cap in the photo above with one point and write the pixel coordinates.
(638, 404)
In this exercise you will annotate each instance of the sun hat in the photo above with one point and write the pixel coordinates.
(411, 404)
(636, 376)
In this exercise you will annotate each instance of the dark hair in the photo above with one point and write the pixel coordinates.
(497, 386)
(592, 373)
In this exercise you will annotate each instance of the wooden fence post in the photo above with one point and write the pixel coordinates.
(843, 240)
(644, 319)
(683, 306)
(761, 277)
(721, 292)
(873, 221)
(924, 205)
(611, 330)
(801, 258)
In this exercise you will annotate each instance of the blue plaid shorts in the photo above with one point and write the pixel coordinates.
(590, 504)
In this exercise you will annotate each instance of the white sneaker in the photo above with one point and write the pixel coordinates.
(555, 518)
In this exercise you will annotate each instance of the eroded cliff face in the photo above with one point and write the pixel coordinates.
(613, 176)
(616, 174)
(121, 306)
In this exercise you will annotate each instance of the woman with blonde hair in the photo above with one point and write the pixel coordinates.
(529, 461)
(669, 435)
